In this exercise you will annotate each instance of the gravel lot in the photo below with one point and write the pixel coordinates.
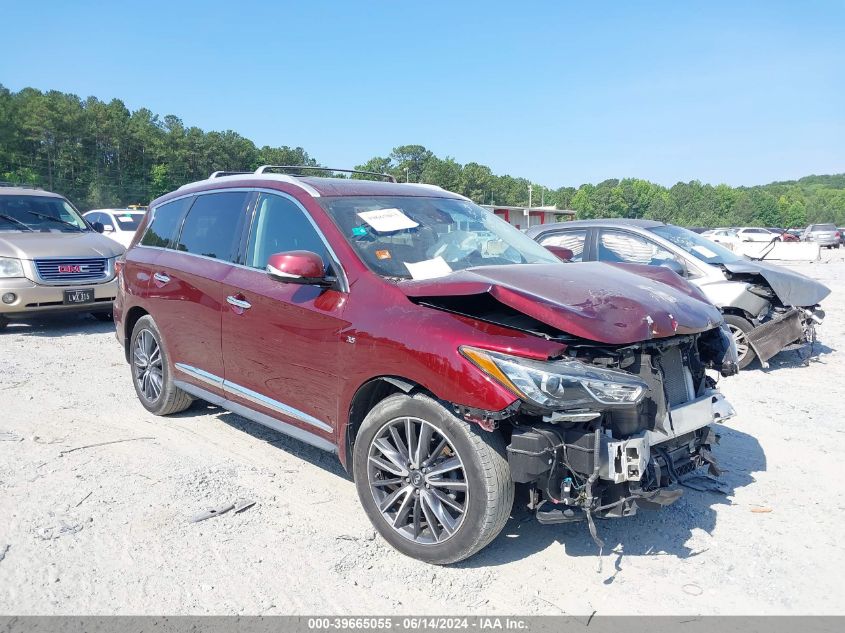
(105, 529)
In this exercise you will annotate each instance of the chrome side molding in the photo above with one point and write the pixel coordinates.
(234, 389)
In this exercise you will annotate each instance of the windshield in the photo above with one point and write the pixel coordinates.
(696, 245)
(128, 221)
(38, 213)
(420, 238)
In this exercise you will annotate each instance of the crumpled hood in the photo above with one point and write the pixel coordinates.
(54, 244)
(616, 305)
(793, 289)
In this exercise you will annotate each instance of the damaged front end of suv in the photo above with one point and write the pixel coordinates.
(605, 430)
(614, 422)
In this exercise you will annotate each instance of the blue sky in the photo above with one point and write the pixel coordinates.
(559, 92)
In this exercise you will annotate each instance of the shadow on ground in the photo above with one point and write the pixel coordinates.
(649, 533)
(56, 326)
(314, 456)
(797, 358)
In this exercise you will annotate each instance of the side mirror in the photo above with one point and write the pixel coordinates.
(298, 267)
(564, 254)
(675, 266)
(98, 226)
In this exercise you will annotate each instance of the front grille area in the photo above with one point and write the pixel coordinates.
(675, 376)
(72, 270)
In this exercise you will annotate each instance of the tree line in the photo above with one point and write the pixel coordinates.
(100, 154)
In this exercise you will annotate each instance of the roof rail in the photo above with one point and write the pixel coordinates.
(218, 174)
(265, 168)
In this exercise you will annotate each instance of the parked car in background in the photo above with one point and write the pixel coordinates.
(118, 224)
(796, 233)
(825, 235)
(755, 234)
(439, 351)
(726, 237)
(51, 260)
(841, 234)
(783, 235)
(767, 308)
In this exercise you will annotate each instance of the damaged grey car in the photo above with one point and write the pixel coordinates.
(768, 308)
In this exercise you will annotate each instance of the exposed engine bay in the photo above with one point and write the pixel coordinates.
(610, 461)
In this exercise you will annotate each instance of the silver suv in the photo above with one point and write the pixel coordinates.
(822, 234)
(51, 260)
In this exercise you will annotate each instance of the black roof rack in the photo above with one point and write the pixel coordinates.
(266, 168)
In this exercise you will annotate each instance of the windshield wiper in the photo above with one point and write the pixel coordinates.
(9, 218)
(50, 217)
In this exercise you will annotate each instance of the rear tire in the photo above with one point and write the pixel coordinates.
(151, 371)
(740, 328)
(440, 504)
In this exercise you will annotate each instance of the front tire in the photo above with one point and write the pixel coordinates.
(435, 487)
(740, 328)
(151, 371)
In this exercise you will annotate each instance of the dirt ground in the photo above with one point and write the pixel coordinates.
(106, 530)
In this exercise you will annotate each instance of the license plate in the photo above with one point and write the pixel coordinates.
(84, 295)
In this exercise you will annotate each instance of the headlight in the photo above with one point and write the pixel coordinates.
(10, 267)
(561, 383)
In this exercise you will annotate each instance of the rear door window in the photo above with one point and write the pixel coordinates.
(212, 227)
(630, 248)
(573, 240)
(165, 223)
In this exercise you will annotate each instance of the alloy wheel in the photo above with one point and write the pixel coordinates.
(417, 480)
(147, 365)
(741, 342)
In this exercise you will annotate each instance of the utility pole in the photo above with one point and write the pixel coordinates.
(528, 210)
(406, 175)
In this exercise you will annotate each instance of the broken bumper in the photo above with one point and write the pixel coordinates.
(631, 474)
(629, 459)
(792, 329)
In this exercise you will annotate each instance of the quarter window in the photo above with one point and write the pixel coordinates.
(280, 225)
(573, 240)
(166, 217)
(211, 228)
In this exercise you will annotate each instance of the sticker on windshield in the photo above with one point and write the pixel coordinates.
(703, 250)
(387, 220)
(359, 231)
(429, 268)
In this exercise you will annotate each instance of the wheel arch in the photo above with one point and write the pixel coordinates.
(366, 397)
(132, 317)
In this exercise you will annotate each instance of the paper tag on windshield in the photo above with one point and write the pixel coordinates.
(387, 220)
(703, 250)
(429, 268)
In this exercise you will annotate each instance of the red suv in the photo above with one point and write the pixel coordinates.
(442, 354)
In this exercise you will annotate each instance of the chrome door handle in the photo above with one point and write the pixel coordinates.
(238, 303)
(161, 278)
